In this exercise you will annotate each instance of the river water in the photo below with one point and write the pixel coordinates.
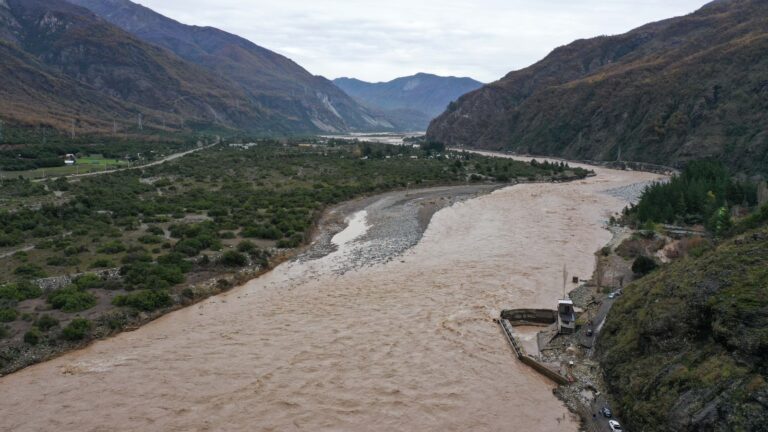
(408, 344)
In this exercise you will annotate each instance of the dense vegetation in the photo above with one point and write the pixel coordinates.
(702, 194)
(686, 347)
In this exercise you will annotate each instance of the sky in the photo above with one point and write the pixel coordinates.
(385, 39)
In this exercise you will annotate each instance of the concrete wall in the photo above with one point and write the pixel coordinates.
(529, 316)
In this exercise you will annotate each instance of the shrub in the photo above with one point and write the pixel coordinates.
(227, 235)
(8, 314)
(643, 265)
(72, 299)
(20, 291)
(62, 261)
(88, 281)
(150, 239)
(102, 263)
(46, 322)
(29, 271)
(246, 246)
(113, 247)
(156, 230)
(33, 336)
(76, 330)
(4, 332)
(145, 300)
(234, 259)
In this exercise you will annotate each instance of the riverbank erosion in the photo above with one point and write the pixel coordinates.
(406, 342)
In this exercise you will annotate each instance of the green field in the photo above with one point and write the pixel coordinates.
(84, 165)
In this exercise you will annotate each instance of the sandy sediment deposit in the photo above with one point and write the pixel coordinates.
(370, 332)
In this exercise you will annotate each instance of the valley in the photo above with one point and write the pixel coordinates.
(200, 233)
(304, 327)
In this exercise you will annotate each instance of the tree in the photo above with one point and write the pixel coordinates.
(643, 265)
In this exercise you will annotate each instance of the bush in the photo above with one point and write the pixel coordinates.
(150, 239)
(72, 299)
(88, 281)
(20, 291)
(102, 263)
(8, 314)
(644, 265)
(145, 300)
(4, 332)
(246, 246)
(30, 271)
(234, 259)
(156, 230)
(76, 330)
(62, 261)
(113, 247)
(46, 322)
(33, 336)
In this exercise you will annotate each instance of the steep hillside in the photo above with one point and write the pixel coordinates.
(64, 64)
(274, 83)
(680, 89)
(686, 348)
(420, 98)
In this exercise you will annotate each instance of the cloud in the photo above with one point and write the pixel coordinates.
(381, 40)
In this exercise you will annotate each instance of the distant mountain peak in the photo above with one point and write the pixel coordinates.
(421, 96)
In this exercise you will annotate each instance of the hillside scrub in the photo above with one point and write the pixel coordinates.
(686, 347)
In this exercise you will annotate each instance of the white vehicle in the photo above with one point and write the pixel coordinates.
(615, 426)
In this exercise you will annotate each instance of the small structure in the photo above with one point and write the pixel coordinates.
(566, 317)
(70, 159)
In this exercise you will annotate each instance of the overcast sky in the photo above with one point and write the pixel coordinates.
(384, 39)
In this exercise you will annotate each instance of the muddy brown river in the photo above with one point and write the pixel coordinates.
(407, 344)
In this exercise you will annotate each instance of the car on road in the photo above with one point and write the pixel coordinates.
(611, 296)
(606, 412)
(615, 426)
(589, 332)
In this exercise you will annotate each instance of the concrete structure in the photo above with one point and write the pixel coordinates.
(566, 317)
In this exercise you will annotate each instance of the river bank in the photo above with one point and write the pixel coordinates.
(405, 343)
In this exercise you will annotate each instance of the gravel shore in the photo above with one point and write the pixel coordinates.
(396, 222)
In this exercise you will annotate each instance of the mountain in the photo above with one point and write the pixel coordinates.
(686, 348)
(414, 100)
(680, 89)
(273, 83)
(62, 64)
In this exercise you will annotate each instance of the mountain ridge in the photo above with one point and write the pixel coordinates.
(667, 92)
(414, 99)
(273, 82)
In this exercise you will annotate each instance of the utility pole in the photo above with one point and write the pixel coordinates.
(114, 127)
(73, 128)
(1, 131)
(141, 127)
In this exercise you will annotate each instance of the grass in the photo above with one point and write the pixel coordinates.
(84, 165)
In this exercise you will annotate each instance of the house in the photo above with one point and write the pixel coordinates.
(70, 159)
